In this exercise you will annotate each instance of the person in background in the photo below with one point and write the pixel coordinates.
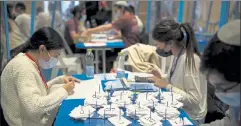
(25, 96)
(42, 18)
(184, 77)
(92, 8)
(221, 62)
(118, 8)
(23, 20)
(15, 38)
(72, 30)
(139, 22)
(127, 24)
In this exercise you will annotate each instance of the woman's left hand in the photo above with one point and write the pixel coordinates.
(68, 79)
(161, 83)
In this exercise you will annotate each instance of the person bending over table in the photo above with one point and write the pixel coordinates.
(184, 77)
(128, 26)
(25, 96)
(221, 63)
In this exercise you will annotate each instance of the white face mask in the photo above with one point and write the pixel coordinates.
(232, 98)
(117, 15)
(48, 64)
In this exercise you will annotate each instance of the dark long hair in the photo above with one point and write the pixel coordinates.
(46, 36)
(182, 34)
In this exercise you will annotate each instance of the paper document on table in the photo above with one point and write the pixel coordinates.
(85, 89)
(131, 76)
(114, 40)
(180, 122)
(95, 44)
(97, 40)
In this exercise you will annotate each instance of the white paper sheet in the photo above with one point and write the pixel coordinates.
(94, 44)
(179, 122)
(86, 89)
(119, 121)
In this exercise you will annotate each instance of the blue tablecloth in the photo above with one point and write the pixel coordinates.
(63, 118)
(109, 44)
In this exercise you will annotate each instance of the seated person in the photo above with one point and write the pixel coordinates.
(221, 63)
(25, 96)
(127, 24)
(72, 28)
(184, 77)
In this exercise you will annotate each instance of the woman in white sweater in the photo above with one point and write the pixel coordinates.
(184, 76)
(25, 96)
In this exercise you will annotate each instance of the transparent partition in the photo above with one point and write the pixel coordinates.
(234, 10)
(3, 49)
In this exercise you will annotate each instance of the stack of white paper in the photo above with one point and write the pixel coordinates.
(96, 103)
(136, 111)
(168, 95)
(167, 112)
(85, 89)
(180, 122)
(151, 120)
(121, 101)
(119, 121)
(170, 103)
(110, 111)
(82, 112)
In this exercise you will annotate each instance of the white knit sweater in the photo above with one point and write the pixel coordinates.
(24, 98)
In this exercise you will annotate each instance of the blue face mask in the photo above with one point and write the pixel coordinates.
(48, 64)
(232, 98)
(117, 15)
(84, 17)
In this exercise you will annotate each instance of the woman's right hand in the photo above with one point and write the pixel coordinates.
(69, 87)
(156, 73)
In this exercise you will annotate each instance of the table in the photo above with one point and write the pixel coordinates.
(110, 44)
(63, 119)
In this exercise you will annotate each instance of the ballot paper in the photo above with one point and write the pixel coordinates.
(131, 76)
(82, 112)
(96, 103)
(86, 89)
(123, 93)
(136, 111)
(121, 101)
(151, 120)
(180, 122)
(170, 103)
(110, 111)
(119, 121)
(168, 95)
(167, 112)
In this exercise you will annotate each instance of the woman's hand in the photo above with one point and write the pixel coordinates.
(68, 79)
(161, 83)
(69, 87)
(156, 73)
(85, 33)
